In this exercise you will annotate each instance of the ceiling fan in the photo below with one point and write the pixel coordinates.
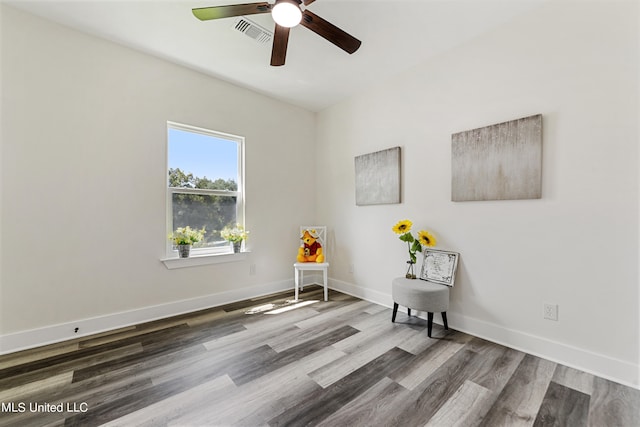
(286, 14)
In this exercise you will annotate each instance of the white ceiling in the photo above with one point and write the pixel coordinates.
(395, 35)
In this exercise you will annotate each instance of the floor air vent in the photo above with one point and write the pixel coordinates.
(252, 30)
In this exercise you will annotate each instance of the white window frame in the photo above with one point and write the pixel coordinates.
(239, 194)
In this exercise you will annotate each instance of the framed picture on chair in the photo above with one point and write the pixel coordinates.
(439, 266)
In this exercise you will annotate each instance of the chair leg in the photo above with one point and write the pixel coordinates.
(444, 320)
(429, 324)
(408, 312)
(301, 280)
(297, 282)
(395, 311)
(326, 284)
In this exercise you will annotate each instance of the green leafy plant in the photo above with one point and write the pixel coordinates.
(234, 234)
(187, 235)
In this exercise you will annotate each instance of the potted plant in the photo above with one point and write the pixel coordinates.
(414, 244)
(235, 235)
(184, 238)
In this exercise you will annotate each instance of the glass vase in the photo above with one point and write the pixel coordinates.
(410, 270)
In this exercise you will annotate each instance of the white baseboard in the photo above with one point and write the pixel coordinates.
(616, 370)
(370, 295)
(23, 340)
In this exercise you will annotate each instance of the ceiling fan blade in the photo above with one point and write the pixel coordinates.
(308, 2)
(280, 42)
(217, 12)
(335, 35)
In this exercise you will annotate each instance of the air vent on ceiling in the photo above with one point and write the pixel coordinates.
(251, 29)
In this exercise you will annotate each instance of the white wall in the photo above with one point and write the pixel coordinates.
(577, 64)
(84, 175)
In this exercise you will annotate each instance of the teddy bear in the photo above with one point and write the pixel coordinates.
(311, 249)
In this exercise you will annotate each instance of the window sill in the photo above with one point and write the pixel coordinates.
(197, 260)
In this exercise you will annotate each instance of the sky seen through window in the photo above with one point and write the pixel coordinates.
(203, 155)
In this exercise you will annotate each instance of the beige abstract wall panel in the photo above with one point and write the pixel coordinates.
(378, 177)
(498, 162)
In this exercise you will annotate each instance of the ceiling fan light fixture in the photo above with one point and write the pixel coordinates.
(286, 13)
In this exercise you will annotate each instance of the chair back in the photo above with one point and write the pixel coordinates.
(321, 232)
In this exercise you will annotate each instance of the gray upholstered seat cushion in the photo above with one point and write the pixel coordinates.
(420, 295)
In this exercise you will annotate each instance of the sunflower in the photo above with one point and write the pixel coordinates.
(426, 239)
(402, 227)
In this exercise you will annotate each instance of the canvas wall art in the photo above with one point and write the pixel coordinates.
(378, 177)
(498, 162)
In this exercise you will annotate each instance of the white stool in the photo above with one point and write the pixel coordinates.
(420, 295)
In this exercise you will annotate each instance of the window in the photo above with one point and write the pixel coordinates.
(205, 185)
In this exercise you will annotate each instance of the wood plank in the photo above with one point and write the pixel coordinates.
(613, 404)
(296, 336)
(499, 365)
(563, 406)
(318, 406)
(369, 408)
(37, 354)
(440, 386)
(55, 365)
(289, 318)
(253, 402)
(93, 393)
(339, 314)
(246, 372)
(422, 340)
(573, 378)
(248, 339)
(255, 398)
(172, 340)
(364, 354)
(465, 408)
(519, 402)
(177, 405)
(129, 402)
(426, 363)
(22, 392)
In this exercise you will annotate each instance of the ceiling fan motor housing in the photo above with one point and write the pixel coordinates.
(286, 13)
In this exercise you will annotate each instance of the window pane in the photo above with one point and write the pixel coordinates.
(201, 161)
(211, 212)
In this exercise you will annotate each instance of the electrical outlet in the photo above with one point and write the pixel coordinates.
(252, 269)
(351, 268)
(551, 311)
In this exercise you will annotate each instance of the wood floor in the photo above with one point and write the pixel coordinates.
(335, 363)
